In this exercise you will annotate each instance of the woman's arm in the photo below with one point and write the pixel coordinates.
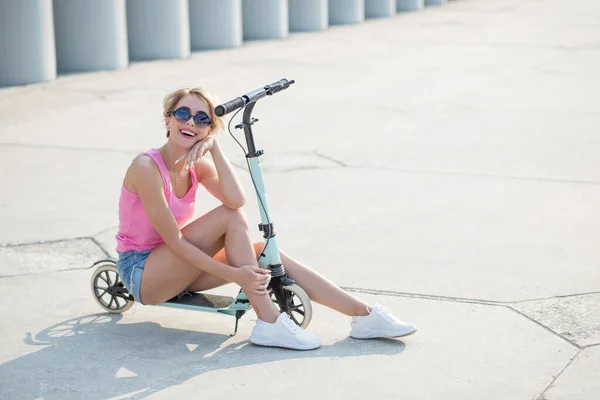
(219, 177)
(143, 178)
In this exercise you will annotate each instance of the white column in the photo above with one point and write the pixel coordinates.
(409, 5)
(27, 53)
(91, 35)
(265, 19)
(346, 11)
(435, 2)
(215, 24)
(380, 8)
(158, 29)
(308, 15)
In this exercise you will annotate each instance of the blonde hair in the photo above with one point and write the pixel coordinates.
(171, 100)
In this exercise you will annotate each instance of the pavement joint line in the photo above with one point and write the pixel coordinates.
(545, 327)
(316, 152)
(559, 296)
(100, 246)
(297, 169)
(425, 296)
(535, 112)
(467, 174)
(434, 172)
(543, 394)
(41, 242)
(104, 231)
(101, 94)
(132, 152)
(68, 89)
(517, 45)
(36, 242)
(463, 299)
(560, 47)
(46, 272)
(587, 346)
(74, 148)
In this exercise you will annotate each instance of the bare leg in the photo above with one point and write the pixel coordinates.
(321, 290)
(166, 275)
(318, 288)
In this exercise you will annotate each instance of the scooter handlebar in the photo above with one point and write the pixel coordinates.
(240, 102)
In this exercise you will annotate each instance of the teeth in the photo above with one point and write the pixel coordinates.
(188, 133)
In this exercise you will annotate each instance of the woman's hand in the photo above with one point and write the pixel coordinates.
(198, 151)
(252, 279)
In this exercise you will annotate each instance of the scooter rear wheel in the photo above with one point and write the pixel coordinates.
(104, 277)
(299, 305)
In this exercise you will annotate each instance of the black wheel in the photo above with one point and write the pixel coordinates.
(105, 278)
(299, 305)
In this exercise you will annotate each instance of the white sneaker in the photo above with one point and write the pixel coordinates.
(380, 323)
(283, 333)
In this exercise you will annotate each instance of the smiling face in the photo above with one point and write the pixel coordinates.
(186, 133)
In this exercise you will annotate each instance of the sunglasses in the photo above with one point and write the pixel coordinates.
(183, 114)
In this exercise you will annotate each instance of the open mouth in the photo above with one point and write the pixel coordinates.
(187, 133)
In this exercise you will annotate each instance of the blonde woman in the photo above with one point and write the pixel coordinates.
(163, 252)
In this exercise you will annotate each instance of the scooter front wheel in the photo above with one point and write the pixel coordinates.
(299, 306)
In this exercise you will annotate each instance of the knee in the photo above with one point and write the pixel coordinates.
(236, 218)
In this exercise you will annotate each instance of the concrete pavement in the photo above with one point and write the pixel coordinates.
(443, 163)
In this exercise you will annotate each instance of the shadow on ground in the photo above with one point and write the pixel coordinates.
(94, 357)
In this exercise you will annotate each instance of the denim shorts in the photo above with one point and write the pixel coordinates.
(131, 267)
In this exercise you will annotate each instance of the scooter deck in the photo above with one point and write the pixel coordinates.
(193, 299)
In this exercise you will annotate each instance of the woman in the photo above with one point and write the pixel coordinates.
(161, 254)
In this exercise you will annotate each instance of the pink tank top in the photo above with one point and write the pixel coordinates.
(135, 230)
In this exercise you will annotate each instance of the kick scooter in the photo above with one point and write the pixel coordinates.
(110, 293)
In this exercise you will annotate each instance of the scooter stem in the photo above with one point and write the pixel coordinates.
(270, 255)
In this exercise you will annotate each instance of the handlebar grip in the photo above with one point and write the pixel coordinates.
(230, 106)
(278, 86)
(240, 102)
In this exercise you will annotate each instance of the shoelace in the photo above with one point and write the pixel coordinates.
(290, 325)
(385, 313)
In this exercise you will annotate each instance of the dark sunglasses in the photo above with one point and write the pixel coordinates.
(183, 114)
